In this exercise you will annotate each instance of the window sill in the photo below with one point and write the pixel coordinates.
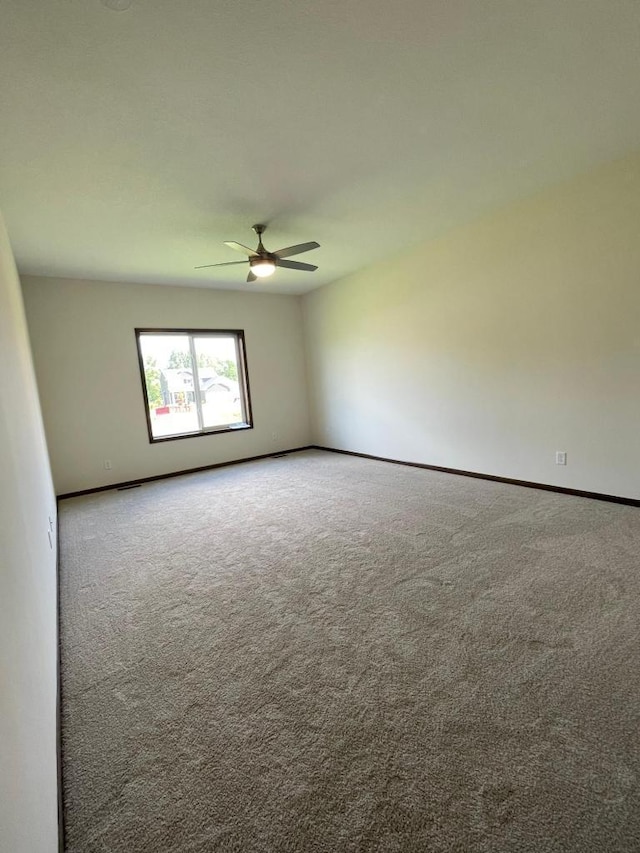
(230, 428)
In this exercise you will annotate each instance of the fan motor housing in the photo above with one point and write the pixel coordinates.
(263, 256)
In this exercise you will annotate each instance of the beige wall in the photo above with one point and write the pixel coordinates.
(86, 362)
(28, 649)
(496, 345)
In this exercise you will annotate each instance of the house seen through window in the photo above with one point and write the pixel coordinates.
(194, 382)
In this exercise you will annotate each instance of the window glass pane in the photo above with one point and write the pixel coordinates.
(169, 379)
(221, 390)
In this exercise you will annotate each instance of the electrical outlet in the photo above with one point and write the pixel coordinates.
(107, 464)
(561, 457)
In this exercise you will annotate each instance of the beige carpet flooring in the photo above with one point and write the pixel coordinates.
(324, 654)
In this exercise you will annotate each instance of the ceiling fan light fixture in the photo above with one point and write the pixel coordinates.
(263, 263)
(262, 267)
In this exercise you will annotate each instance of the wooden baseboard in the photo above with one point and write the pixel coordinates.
(127, 484)
(597, 496)
(529, 484)
(61, 825)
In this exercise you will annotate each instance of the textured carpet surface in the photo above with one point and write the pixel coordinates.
(321, 653)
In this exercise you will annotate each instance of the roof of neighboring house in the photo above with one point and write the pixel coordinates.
(219, 382)
(181, 379)
(178, 379)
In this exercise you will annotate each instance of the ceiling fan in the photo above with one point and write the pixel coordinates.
(263, 263)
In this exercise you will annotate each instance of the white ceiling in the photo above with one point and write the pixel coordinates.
(133, 143)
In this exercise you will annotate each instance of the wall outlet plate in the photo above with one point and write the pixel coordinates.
(561, 457)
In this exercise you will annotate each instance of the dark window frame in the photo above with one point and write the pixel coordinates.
(243, 381)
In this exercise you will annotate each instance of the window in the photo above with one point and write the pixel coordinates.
(194, 382)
